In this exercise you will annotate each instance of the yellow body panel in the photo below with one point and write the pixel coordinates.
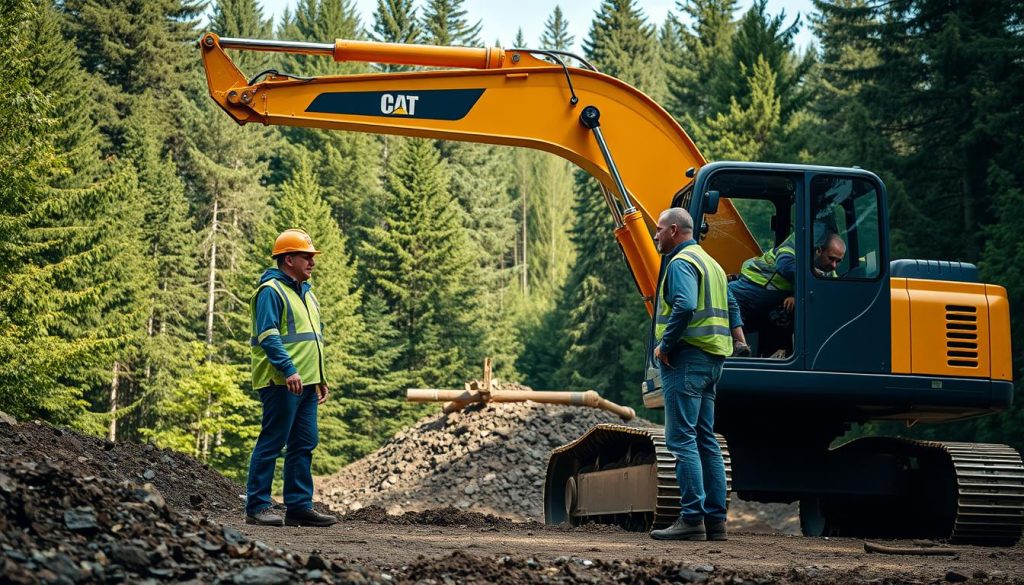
(526, 105)
(900, 326)
(999, 332)
(947, 328)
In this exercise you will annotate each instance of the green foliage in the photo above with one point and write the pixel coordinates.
(420, 262)
(445, 23)
(696, 53)
(603, 331)
(207, 415)
(556, 32)
(623, 44)
(745, 133)
(394, 21)
(243, 19)
(761, 36)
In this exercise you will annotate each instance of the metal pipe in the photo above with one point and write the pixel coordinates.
(278, 46)
(630, 208)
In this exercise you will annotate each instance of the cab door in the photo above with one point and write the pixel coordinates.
(846, 313)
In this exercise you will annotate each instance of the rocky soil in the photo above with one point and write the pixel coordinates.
(75, 509)
(187, 484)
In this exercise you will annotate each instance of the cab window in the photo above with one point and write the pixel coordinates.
(845, 240)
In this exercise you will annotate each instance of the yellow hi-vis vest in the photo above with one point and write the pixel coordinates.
(761, 269)
(709, 326)
(301, 333)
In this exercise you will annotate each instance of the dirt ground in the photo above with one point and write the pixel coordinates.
(766, 558)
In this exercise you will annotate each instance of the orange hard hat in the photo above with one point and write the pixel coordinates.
(293, 240)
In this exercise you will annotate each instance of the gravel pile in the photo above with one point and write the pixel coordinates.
(487, 458)
(59, 524)
(187, 484)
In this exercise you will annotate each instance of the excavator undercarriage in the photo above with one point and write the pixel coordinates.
(868, 487)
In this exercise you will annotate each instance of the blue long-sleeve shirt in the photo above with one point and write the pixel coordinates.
(269, 307)
(680, 289)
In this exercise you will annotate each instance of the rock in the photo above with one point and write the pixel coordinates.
(954, 577)
(264, 576)
(130, 556)
(150, 495)
(7, 419)
(233, 536)
(81, 520)
(148, 475)
(7, 484)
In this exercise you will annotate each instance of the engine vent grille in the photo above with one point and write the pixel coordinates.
(961, 336)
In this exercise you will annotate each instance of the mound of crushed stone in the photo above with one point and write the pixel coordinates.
(187, 484)
(487, 458)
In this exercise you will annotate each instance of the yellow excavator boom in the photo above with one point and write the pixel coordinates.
(634, 148)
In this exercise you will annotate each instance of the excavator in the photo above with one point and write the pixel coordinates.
(884, 340)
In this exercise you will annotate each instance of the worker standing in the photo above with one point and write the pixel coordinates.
(692, 335)
(288, 371)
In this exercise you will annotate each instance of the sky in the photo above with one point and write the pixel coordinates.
(501, 19)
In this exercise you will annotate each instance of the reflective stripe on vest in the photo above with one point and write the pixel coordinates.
(761, 270)
(301, 333)
(709, 326)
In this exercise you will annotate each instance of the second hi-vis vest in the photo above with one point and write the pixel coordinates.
(761, 270)
(301, 333)
(709, 326)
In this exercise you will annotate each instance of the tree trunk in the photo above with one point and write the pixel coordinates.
(112, 432)
(526, 258)
(212, 280)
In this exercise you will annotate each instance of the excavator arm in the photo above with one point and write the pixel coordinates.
(625, 140)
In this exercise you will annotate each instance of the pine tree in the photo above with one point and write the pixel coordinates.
(395, 21)
(603, 324)
(556, 35)
(243, 19)
(695, 53)
(745, 133)
(624, 45)
(348, 164)
(420, 263)
(169, 248)
(135, 47)
(321, 21)
(445, 23)
(74, 285)
(760, 35)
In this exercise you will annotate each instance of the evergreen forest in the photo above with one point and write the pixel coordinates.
(136, 217)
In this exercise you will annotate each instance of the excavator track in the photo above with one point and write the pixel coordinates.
(609, 456)
(990, 492)
(960, 492)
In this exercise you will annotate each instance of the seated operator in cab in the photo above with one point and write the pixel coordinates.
(766, 281)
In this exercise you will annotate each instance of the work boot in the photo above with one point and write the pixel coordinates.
(740, 349)
(715, 529)
(308, 517)
(265, 518)
(681, 530)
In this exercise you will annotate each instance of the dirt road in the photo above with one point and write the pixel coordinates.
(771, 558)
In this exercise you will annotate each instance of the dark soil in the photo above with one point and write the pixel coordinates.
(187, 484)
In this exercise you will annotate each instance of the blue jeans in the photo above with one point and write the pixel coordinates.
(288, 420)
(755, 302)
(689, 387)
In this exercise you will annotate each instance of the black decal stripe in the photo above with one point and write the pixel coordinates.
(433, 104)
